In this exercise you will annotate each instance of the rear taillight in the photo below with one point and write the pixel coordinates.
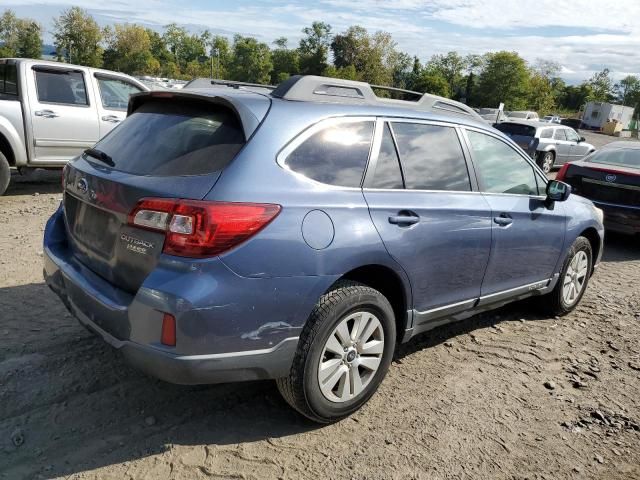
(562, 172)
(196, 228)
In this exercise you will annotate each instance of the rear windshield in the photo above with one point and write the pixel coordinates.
(166, 138)
(622, 157)
(516, 129)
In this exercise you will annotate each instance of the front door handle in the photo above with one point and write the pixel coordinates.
(110, 119)
(404, 219)
(503, 220)
(46, 113)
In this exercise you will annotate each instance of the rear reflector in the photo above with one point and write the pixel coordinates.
(199, 229)
(168, 336)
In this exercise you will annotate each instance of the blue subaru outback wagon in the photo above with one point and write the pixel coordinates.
(235, 232)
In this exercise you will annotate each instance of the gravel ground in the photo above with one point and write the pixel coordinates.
(508, 394)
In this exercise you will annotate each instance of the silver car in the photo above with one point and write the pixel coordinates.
(549, 144)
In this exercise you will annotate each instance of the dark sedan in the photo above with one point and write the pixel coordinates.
(610, 178)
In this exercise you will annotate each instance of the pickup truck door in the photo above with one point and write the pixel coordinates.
(112, 98)
(62, 113)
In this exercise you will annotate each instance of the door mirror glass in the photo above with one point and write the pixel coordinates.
(582, 139)
(558, 191)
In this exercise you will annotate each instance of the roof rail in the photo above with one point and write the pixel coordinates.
(312, 88)
(208, 82)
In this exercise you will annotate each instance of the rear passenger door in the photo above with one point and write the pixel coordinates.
(563, 146)
(419, 191)
(527, 236)
(63, 118)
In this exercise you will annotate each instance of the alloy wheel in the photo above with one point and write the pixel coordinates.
(351, 356)
(547, 162)
(576, 278)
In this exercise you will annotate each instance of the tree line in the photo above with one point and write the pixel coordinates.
(479, 80)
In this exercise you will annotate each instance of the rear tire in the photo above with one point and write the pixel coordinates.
(5, 174)
(343, 354)
(573, 281)
(546, 161)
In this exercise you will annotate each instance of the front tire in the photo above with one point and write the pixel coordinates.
(5, 174)
(546, 160)
(343, 354)
(573, 281)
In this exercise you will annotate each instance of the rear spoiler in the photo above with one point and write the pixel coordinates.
(245, 115)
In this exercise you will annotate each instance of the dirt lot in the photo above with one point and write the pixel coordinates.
(466, 401)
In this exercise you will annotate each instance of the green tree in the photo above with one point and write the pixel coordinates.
(184, 47)
(220, 55)
(573, 97)
(251, 61)
(601, 86)
(627, 90)
(78, 37)
(314, 48)
(473, 65)
(504, 78)
(541, 98)
(286, 61)
(346, 73)
(431, 81)
(450, 67)
(129, 50)
(19, 37)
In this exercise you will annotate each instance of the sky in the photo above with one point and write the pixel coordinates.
(583, 36)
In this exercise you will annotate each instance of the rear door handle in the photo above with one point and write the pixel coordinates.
(503, 220)
(407, 219)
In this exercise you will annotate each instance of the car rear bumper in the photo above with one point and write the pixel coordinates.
(225, 325)
(620, 218)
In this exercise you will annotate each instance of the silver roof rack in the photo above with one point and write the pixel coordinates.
(208, 82)
(311, 88)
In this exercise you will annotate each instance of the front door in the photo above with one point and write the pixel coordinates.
(427, 215)
(577, 149)
(113, 98)
(63, 120)
(527, 236)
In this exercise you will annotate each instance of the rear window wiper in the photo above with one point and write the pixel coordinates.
(100, 155)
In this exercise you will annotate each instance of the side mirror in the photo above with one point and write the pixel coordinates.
(582, 139)
(557, 191)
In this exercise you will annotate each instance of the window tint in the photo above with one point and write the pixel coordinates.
(559, 134)
(431, 157)
(517, 129)
(336, 155)
(500, 167)
(8, 79)
(174, 138)
(387, 173)
(61, 87)
(546, 133)
(114, 93)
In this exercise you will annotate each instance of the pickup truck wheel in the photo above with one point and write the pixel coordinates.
(546, 161)
(573, 280)
(344, 352)
(5, 174)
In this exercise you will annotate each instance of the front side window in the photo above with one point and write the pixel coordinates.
(335, 155)
(572, 136)
(66, 87)
(431, 157)
(500, 168)
(387, 172)
(114, 92)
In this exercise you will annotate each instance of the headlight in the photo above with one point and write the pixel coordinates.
(599, 213)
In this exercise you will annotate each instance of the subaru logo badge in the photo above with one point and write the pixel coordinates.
(610, 178)
(82, 185)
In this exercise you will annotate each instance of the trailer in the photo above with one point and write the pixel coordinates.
(598, 114)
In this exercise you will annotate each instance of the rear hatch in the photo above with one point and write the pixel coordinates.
(609, 176)
(171, 147)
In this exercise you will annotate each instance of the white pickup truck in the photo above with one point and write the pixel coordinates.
(50, 112)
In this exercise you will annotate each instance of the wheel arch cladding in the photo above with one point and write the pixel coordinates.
(591, 234)
(6, 150)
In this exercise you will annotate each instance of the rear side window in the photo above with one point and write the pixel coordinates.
(517, 129)
(546, 133)
(431, 157)
(559, 134)
(167, 138)
(387, 172)
(64, 87)
(114, 92)
(336, 155)
(8, 79)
